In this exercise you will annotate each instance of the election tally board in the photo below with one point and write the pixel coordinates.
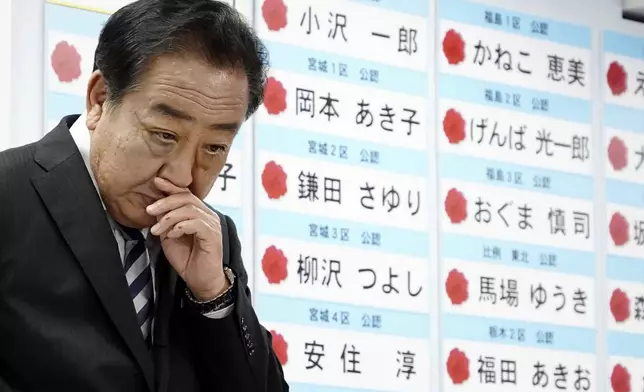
(434, 196)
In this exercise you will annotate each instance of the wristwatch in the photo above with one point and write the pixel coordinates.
(224, 300)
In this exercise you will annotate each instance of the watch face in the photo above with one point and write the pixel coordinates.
(229, 275)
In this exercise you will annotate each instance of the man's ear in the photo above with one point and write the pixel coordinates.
(96, 95)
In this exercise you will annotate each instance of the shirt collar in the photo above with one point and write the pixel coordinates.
(82, 138)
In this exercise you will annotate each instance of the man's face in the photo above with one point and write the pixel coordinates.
(179, 124)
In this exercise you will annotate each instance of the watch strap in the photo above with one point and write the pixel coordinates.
(222, 301)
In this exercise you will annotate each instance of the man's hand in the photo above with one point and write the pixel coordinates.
(190, 234)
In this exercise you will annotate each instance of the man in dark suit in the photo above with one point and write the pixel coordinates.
(114, 275)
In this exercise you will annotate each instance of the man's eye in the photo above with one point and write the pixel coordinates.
(215, 149)
(165, 136)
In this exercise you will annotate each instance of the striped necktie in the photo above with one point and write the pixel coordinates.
(139, 279)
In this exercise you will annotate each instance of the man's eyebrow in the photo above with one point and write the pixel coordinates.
(169, 111)
(232, 127)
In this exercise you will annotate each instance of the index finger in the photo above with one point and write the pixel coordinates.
(168, 187)
(175, 201)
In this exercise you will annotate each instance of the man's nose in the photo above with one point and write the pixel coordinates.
(178, 169)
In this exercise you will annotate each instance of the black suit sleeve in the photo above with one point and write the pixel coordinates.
(235, 353)
(4, 387)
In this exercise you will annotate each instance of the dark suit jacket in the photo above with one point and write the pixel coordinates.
(66, 318)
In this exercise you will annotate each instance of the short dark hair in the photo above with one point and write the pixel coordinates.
(145, 29)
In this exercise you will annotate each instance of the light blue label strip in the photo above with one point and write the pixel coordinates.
(58, 105)
(279, 309)
(517, 177)
(626, 193)
(414, 7)
(299, 387)
(624, 45)
(514, 98)
(628, 269)
(623, 118)
(86, 23)
(511, 254)
(326, 148)
(518, 333)
(343, 233)
(359, 72)
(507, 21)
(624, 344)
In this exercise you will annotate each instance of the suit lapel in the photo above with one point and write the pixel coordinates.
(71, 198)
(163, 307)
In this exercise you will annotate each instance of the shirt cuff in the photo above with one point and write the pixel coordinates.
(221, 313)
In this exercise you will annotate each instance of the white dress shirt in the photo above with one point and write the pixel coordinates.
(81, 136)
